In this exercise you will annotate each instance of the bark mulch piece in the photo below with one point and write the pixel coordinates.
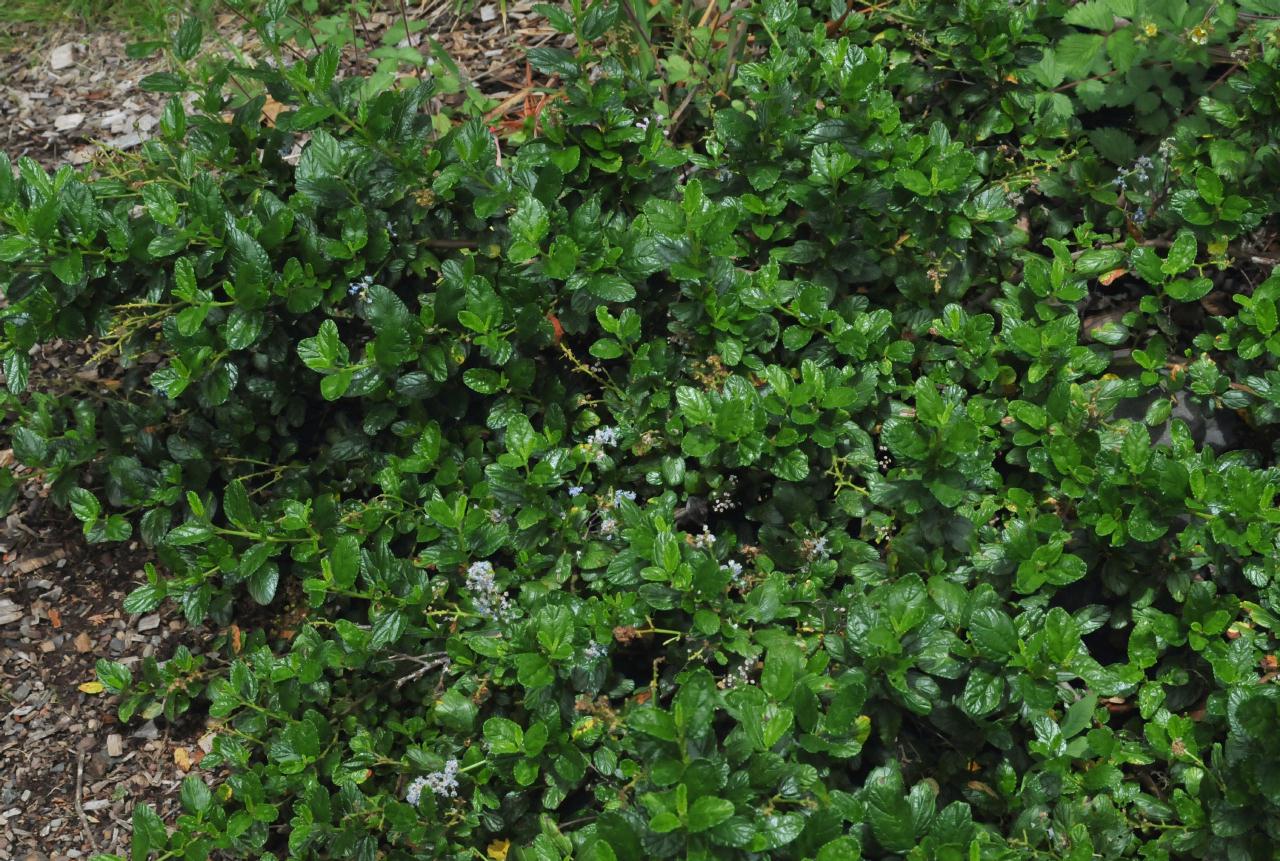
(68, 91)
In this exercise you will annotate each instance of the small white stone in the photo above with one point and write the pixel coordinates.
(62, 56)
(10, 612)
(67, 122)
(125, 141)
(148, 731)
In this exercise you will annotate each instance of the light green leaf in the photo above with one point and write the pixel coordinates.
(708, 812)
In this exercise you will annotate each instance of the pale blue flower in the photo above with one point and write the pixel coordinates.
(414, 793)
(443, 782)
(490, 602)
(603, 436)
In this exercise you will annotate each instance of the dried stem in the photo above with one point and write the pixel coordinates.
(428, 662)
(84, 820)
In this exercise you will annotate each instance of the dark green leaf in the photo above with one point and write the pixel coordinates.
(707, 812)
(888, 810)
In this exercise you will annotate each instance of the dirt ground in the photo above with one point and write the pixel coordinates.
(67, 93)
(70, 773)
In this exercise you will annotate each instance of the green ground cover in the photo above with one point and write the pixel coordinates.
(808, 432)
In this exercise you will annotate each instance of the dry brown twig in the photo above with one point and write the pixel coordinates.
(427, 664)
(84, 820)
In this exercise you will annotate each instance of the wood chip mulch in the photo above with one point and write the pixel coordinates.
(70, 773)
(70, 94)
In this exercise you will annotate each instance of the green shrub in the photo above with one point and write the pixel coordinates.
(797, 444)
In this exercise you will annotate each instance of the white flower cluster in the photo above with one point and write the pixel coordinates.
(705, 540)
(644, 122)
(595, 651)
(619, 495)
(575, 490)
(740, 676)
(489, 600)
(603, 436)
(816, 548)
(734, 568)
(443, 782)
(600, 439)
(722, 500)
(884, 459)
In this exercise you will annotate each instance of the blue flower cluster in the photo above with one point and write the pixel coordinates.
(443, 783)
(489, 600)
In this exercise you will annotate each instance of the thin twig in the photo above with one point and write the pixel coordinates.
(404, 16)
(306, 26)
(1195, 103)
(84, 820)
(677, 115)
(427, 662)
(364, 25)
(732, 53)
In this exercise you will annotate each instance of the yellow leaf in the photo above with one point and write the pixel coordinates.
(181, 758)
(270, 110)
(498, 850)
(862, 727)
(92, 688)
